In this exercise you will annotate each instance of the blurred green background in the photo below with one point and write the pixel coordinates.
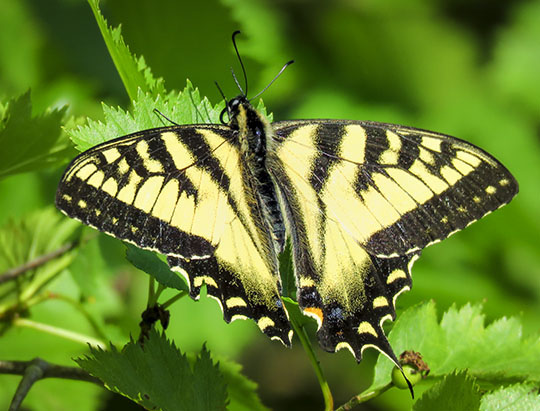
(464, 68)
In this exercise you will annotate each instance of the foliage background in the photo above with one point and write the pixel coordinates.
(465, 68)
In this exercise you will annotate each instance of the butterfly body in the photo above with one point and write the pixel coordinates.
(358, 200)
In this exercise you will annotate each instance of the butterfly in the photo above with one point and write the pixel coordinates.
(358, 201)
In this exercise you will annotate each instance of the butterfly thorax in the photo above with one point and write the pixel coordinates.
(253, 131)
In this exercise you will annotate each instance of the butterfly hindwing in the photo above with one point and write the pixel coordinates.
(180, 191)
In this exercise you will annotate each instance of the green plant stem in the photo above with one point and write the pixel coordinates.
(173, 299)
(67, 334)
(325, 388)
(363, 397)
(81, 309)
(151, 292)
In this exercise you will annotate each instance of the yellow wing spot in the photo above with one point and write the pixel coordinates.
(97, 212)
(380, 302)
(265, 322)
(468, 158)
(426, 156)
(198, 281)
(450, 175)
(391, 155)
(67, 197)
(86, 171)
(127, 193)
(462, 209)
(152, 165)
(110, 187)
(82, 203)
(433, 144)
(235, 302)
(114, 220)
(134, 229)
(366, 328)
(463, 167)
(444, 220)
(436, 184)
(315, 313)
(353, 144)
(477, 199)
(179, 153)
(96, 179)
(504, 182)
(148, 193)
(123, 166)
(111, 155)
(490, 190)
(395, 275)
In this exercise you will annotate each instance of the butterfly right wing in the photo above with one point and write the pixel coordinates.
(180, 191)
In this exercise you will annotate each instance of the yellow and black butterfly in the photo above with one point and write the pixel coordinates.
(358, 200)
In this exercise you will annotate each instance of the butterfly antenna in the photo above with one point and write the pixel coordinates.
(287, 64)
(163, 116)
(226, 109)
(237, 32)
(197, 112)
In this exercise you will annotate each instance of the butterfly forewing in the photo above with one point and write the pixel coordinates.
(394, 189)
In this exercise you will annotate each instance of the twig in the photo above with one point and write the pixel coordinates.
(39, 261)
(36, 370)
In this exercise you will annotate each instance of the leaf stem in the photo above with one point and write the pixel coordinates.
(173, 299)
(61, 332)
(325, 388)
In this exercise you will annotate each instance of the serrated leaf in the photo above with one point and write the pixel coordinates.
(184, 107)
(492, 353)
(516, 397)
(158, 376)
(457, 391)
(242, 391)
(31, 142)
(148, 262)
(133, 71)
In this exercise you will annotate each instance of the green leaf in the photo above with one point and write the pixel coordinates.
(158, 376)
(457, 391)
(242, 391)
(30, 142)
(185, 107)
(493, 354)
(150, 263)
(513, 398)
(134, 72)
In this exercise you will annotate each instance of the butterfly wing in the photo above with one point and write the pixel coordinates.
(362, 200)
(180, 191)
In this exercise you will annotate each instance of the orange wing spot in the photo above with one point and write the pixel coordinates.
(314, 311)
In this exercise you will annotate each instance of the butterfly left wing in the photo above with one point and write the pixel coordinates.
(362, 200)
(180, 191)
